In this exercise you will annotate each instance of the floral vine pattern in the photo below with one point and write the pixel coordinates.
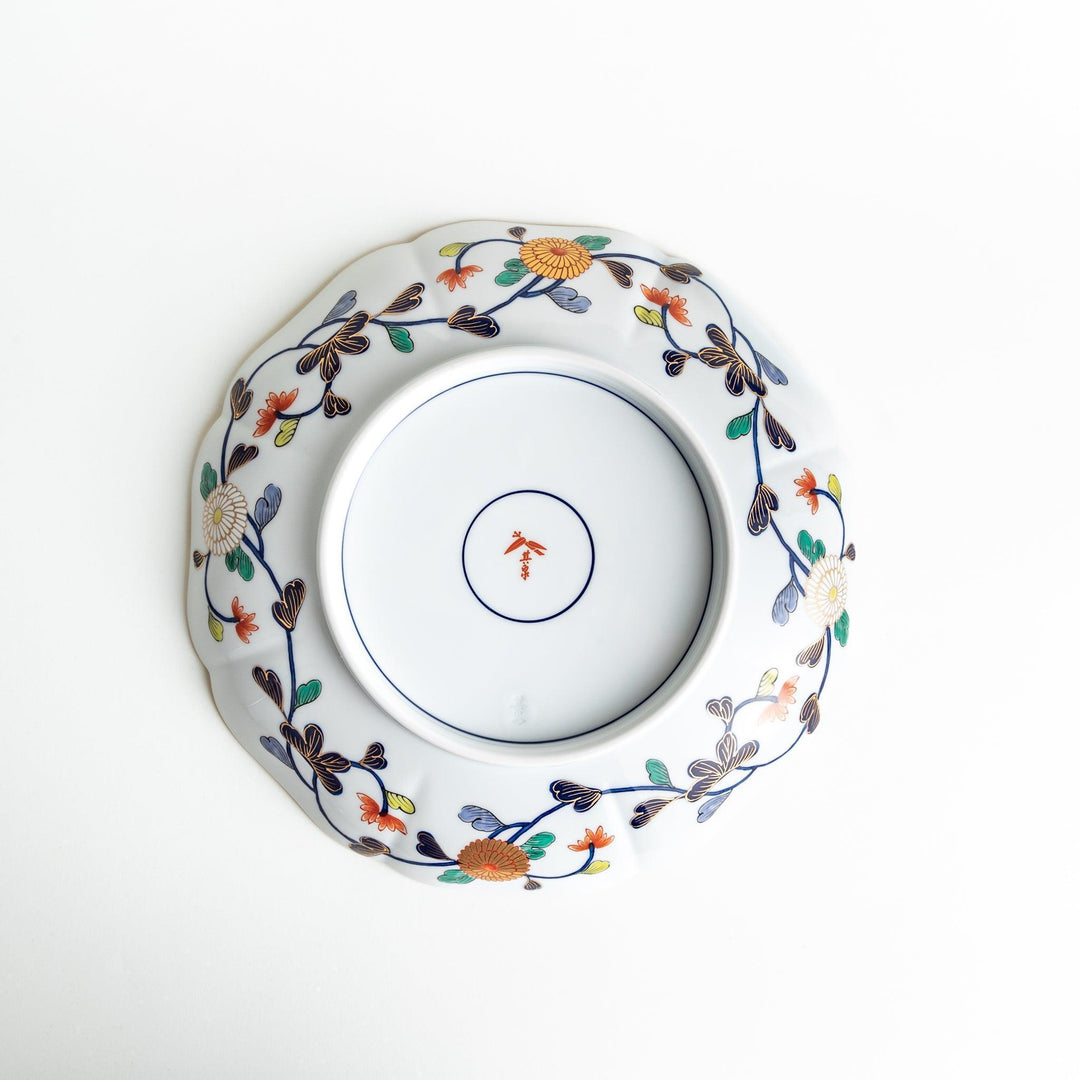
(236, 534)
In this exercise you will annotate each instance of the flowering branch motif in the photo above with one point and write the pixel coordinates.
(234, 531)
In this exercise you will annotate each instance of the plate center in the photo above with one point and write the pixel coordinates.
(525, 557)
(547, 562)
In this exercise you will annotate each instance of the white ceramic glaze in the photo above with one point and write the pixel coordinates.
(507, 555)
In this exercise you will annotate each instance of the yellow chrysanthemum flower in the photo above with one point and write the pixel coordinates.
(556, 259)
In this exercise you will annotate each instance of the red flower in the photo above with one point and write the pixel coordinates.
(778, 710)
(275, 403)
(245, 621)
(597, 839)
(804, 486)
(455, 279)
(370, 813)
(677, 310)
(676, 305)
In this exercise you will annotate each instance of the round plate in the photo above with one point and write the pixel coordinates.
(513, 538)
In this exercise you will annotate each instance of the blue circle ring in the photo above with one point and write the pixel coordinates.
(592, 555)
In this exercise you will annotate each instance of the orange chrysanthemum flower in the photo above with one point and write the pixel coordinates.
(275, 403)
(777, 710)
(804, 486)
(370, 812)
(597, 839)
(245, 621)
(493, 860)
(556, 259)
(455, 279)
(676, 305)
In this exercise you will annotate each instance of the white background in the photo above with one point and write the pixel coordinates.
(894, 189)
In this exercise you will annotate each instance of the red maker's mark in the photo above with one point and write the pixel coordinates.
(530, 547)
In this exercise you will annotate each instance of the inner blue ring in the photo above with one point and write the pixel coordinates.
(592, 555)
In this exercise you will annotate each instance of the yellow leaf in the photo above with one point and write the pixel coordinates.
(399, 802)
(597, 867)
(217, 631)
(834, 486)
(649, 316)
(450, 250)
(286, 432)
(768, 681)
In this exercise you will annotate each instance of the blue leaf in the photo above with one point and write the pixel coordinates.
(343, 305)
(710, 806)
(482, 820)
(266, 506)
(271, 744)
(785, 603)
(772, 372)
(569, 300)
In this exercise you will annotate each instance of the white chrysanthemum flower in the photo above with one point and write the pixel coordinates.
(826, 590)
(224, 518)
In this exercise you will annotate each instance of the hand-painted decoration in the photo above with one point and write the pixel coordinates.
(237, 527)
(528, 547)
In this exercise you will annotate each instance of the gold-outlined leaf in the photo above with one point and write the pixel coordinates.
(811, 655)
(675, 361)
(778, 435)
(810, 714)
(723, 707)
(517, 232)
(240, 399)
(269, 683)
(407, 300)
(623, 274)
(288, 607)
(368, 845)
(335, 405)
(240, 456)
(466, 318)
(680, 272)
(761, 509)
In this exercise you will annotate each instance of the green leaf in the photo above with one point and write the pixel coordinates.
(286, 432)
(208, 480)
(231, 558)
(843, 624)
(648, 316)
(806, 543)
(597, 867)
(658, 772)
(534, 853)
(817, 551)
(400, 802)
(540, 840)
(307, 692)
(244, 566)
(593, 243)
(516, 265)
(400, 339)
(217, 631)
(455, 877)
(741, 425)
(834, 487)
(450, 250)
(510, 277)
